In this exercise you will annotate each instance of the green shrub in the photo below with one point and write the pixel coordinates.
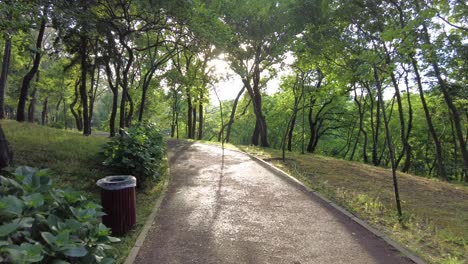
(40, 223)
(138, 152)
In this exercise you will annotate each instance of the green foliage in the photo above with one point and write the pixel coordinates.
(41, 223)
(139, 151)
(74, 161)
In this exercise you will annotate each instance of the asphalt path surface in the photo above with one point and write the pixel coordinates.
(231, 209)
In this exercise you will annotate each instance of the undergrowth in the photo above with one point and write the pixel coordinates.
(75, 161)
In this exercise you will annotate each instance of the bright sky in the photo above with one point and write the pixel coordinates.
(229, 87)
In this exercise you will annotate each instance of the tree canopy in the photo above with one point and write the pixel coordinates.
(382, 82)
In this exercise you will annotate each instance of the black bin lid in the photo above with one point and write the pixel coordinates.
(117, 182)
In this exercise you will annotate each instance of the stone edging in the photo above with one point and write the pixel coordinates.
(377, 233)
(149, 222)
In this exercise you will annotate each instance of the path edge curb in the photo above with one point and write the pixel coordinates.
(148, 223)
(362, 223)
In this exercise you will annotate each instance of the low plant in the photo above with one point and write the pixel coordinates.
(41, 223)
(138, 151)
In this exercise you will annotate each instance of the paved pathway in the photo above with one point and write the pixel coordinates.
(233, 210)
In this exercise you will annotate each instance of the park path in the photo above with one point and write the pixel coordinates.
(231, 209)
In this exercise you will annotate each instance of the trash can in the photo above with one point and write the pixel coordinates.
(119, 202)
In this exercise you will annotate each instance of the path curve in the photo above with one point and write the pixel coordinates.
(230, 209)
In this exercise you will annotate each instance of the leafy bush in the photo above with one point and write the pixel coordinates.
(138, 152)
(40, 223)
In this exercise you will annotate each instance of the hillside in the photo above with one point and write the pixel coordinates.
(75, 162)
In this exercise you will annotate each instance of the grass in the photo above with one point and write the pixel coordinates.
(435, 224)
(75, 161)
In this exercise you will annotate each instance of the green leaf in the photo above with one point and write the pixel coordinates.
(76, 252)
(9, 228)
(6, 182)
(72, 196)
(11, 205)
(24, 171)
(103, 230)
(113, 239)
(26, 253)
(63, 238)
(71, 224)
(33, 200)
(25, 222)
(49, 238)
(52, 221)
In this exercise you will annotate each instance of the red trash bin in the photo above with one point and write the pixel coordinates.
(118, 201)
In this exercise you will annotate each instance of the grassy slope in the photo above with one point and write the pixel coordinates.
(436, 213)
(74, 161)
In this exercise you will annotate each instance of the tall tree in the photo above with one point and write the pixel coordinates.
(20, 116)
(431, 56)
(261, 30)
(12, 14)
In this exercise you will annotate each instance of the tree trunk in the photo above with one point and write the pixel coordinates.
(406, 151)
(6, 156)
(142, 103)
(233, 114)
(83, 90)
(375, 129)
(65, 113)
(407, 163)
(177, 124)
(20, 115)
(189, 115)
(389, 143)
(32, 105)
(174, 112)
(291, 130)
(77, 116)
(255, 134)
(262, 127)
(128, 119)
(44, 115)
(93, 92)
(454, 113)
(361, 110)
(4, 73)
(442, 173)
(115, 95)
(260, 131)
(57, 110)
(113, 116)
(123, 99)
(194, 121)
(311, 124)
(200, 118)
(285, 134)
